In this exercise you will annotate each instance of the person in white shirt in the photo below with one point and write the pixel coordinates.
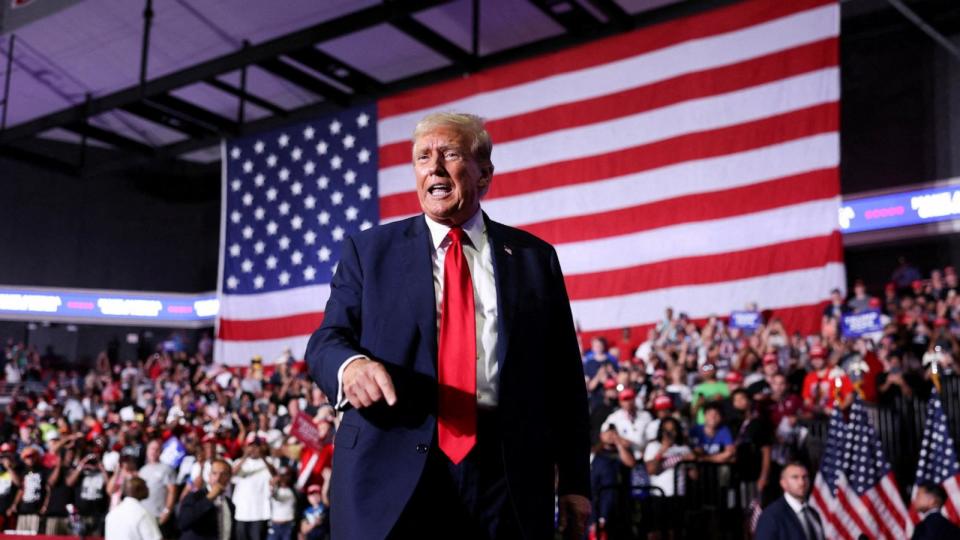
(283, 506)
(130, 520)
(630, 421)
(252, 474)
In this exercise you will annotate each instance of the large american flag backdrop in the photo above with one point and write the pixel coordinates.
(692, 164)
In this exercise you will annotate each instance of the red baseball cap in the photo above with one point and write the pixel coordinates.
(733, 377)
(662, 403)
(818, 352)
(609, 383)
(626, 393)
(770, 358)
(313, 488)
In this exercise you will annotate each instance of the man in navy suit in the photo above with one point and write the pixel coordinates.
(933, 525)
(790, 517)
(449, 342)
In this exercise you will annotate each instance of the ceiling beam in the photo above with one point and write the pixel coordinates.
(251, 98)
(110, 137)
(433, 40)
(337, 70)
(194, 113)
(168, 119)
(567, 13)
(359, 20)
(612, 11)
(305, 80)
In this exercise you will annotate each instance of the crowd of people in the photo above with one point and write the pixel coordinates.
(176, 442)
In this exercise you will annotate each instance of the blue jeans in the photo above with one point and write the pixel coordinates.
(280, 531)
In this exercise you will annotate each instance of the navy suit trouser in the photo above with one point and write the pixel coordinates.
(468, 500)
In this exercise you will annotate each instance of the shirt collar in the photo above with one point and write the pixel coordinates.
(473, 227)
(795, 504)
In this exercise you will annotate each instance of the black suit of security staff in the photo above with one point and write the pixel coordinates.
(780, 522)
(936, 527)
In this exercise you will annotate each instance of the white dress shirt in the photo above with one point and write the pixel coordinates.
(479, 255)
(131, 521)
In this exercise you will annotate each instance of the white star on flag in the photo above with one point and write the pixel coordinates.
(349, 177)
(365, 191)
(284, 277)
(284, 174)
(321, 147)
(296, 188)
(247, 199)
(236, 185)
(336, 198)
(335, 127)
(323, 182)
(296, 258)
(258, 147)
(296, 222)
(309, 237)
(363, 120)
(337, 233)
(323, 254)
(308, 132)
(272, 160)
(271, 262)
(348, 141)
(323, 217)
(259, 213)
(235, 216)
(283, 141)
(363, 155)
(336, 162)
(235, 250)
(247, 166)
(247, 232)
(271, 228)
(232, 282)
(351, 213)
(271, 194)
(284, 243)
(309, 167)
(247, 265)
(309, 202)
(309, 273)
(235, 153)
(296, 153)
(284, 208)
(259, 247)
(259, 179)
(258, 282)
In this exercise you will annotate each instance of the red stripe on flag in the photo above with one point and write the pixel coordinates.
(705, 269)
(811, 186)
(275, 328)
(804, 319)
(700, 84)
(876, 513)
(848, 507)
(641, 41)
(824, 507)
(701, 145)
(893, 507)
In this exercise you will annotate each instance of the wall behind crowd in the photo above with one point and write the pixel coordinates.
(154, 230)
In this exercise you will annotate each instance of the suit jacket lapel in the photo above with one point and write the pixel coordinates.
(505, 274)
(418, 267)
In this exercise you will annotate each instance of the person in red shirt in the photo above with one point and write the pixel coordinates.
(819, 386)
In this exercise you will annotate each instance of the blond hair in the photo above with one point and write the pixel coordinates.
(469, 125)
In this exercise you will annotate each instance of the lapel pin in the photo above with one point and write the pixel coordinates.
(508, 250)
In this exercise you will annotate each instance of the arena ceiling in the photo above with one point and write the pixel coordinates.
(167, 79)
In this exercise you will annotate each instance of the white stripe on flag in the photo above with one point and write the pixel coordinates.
(239, 353)
(805, 220)
(658, 65)
(687, 178)
(284, 303)
(785, 289)
(722, 110)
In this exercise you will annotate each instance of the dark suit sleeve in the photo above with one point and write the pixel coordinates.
(571, 420)
(193, 508)
(767, 525)
(337, 339)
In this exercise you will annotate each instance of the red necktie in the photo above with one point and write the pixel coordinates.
(457, 362)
